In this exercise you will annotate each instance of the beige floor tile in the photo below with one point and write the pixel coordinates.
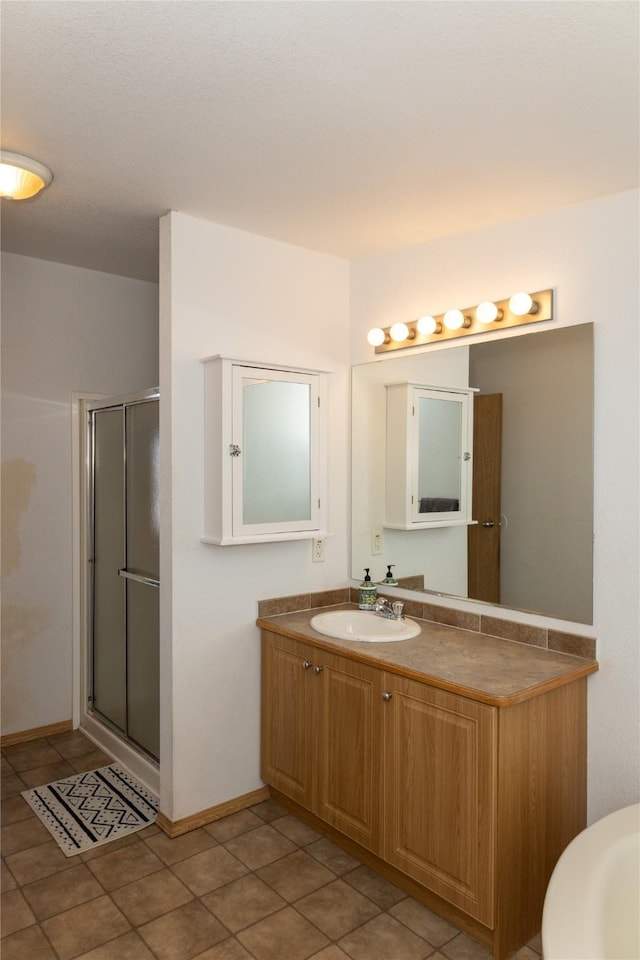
(423, 922)
(40, 776)
(38, 862)
(375, 887)
(105, 849)
(5, 767)
(295, 830)
(230, 949)
(179, 848)
(183, 933)
(243, 902)
(12, 786)
(82, 928)
(269, 810)
(208, 870)
(536, 943)
(15, 809)
(337, 909)
(89, 761)
(125, 865)
(332, 952)
(7, 881)
(28, 944)
(260, 847)
(383, 938)
(74, 747)
(26, 756)
(233, 826)
(296, 875)
(282, 935)
(463, 947)
(15, 912)
(151, 896)
(526, 953)
(128, 947)
(62, 891)
(332, 856)
(22, 835)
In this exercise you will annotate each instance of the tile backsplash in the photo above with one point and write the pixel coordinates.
(547, 638)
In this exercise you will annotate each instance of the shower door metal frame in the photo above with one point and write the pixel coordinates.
(111, 403)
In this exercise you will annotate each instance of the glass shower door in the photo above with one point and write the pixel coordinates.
(125, 688)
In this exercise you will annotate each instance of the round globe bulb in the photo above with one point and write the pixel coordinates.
(487, 312)
(521, 304)
(375, 337)
(454, 319)
(399, 332)
(427, 325)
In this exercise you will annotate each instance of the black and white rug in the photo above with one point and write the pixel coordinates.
(93, 808)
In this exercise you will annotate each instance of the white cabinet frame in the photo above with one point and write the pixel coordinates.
(224, 451)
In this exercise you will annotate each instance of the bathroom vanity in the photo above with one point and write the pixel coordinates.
(453, 763)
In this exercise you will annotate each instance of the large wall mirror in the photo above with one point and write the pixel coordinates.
(530, 547)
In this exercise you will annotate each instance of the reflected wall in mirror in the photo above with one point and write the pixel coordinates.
(532, 461)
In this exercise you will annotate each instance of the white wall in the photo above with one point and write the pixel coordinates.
(225, 291)
(64, 330)
(589, 254)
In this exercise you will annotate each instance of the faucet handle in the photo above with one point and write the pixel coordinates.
(398, 609)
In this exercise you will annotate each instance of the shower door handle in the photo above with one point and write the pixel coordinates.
(150, 582)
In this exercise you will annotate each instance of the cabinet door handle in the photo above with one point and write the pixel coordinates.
(306, 664)
(386, 696)
(318, 669)
(488, 524)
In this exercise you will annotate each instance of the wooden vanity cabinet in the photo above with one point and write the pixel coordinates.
(465, 804)
(439, 792)
(322, 733)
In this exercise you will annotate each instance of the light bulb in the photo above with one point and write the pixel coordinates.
(22, 177)
(399, 332)
(376, 337)
(454, 319)
(427, 326)
(521, 304)
(487, 312)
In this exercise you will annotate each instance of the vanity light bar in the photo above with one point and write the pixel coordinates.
(486, 317)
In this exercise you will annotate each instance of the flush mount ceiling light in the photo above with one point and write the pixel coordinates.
(488, 315)
(21, 177)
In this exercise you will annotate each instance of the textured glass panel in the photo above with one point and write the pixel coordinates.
(109, 556)
(142, 488)
(277, 444)
(440, 426)
(143, 687)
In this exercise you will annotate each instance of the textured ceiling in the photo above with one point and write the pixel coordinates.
(345, 127)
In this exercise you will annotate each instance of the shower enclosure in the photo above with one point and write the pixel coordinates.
(122, 568)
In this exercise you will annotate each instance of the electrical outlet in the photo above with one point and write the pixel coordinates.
(376, 543)
(317, 550)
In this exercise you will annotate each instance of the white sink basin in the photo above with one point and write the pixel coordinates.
(363, 625)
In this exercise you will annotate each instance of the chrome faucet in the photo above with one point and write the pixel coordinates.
(390, 611)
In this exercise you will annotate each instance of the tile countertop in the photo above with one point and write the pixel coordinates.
(475, 665)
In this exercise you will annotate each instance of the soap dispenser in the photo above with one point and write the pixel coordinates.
(390, 580)
(368, 591)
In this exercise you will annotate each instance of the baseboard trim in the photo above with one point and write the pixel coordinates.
(23, 736)
(176, 828)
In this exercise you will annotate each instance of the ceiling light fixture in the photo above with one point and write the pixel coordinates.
(521, 308)
(21, 177)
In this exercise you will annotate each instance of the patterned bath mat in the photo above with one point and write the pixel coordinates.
(89, 809)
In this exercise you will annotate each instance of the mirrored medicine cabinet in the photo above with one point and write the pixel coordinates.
(265, 462)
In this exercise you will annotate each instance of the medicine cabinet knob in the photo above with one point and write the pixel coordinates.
(386, 696)
(306, 664)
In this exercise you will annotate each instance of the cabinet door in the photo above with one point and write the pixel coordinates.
(440, 760)
(287, 717)
(349, 752)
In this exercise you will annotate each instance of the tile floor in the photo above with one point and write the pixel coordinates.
(259, 884)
